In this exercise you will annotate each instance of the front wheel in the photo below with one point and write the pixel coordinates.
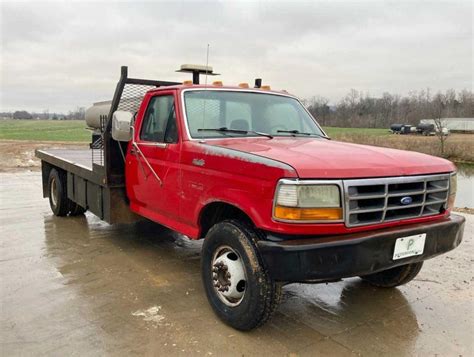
(239, 289)
(394, 277)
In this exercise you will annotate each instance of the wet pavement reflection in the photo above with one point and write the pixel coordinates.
(78, 286)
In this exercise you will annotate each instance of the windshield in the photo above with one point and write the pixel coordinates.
(248, 112)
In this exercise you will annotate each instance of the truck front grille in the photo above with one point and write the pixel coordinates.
(372, 201)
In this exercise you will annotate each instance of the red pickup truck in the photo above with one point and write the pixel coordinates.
(251, 172)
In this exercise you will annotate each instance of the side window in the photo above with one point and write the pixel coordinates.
(159, 123)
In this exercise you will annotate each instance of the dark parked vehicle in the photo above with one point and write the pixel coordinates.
(407, 129)
(426, 129)
(395, 128)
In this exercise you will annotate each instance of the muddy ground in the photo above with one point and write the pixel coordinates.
(77, 286)
(18, 155)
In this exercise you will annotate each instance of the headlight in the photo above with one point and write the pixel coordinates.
(308, 202)
(453, 186)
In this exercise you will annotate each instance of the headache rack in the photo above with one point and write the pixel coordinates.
(374, 201)
(128, 96)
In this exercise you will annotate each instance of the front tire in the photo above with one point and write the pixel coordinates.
(394, 277)
(238, 288)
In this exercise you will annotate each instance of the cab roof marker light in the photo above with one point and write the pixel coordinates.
(243, 85)
(266, 87)
(217, 83)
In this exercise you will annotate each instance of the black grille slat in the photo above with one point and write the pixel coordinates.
(406, 187)
(367, 203)
(403, 213)
(372, 201)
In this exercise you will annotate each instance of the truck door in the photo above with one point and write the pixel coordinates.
(152, 170)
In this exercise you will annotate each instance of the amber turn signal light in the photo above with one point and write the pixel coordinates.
(308, 214)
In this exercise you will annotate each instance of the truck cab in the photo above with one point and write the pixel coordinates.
(250, 171)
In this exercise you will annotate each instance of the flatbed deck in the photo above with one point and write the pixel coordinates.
(87, 184)
(76, 161)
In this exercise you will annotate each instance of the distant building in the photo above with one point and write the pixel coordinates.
(465, 125)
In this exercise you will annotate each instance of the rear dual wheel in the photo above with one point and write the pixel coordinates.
(60, 204)
(238, 288)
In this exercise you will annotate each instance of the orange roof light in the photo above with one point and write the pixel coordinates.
(217, 83)
(243, 85)
(266, 87)
(188, 83)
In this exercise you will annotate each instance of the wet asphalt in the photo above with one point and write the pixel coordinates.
(78, 286)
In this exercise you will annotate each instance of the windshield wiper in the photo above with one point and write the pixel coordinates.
(297, 132)
(237, 131)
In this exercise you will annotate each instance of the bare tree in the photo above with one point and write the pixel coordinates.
(439, 107)
(318, 106)
(22, 114)
(357, 109)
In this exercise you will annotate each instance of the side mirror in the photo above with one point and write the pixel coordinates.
(121, 125)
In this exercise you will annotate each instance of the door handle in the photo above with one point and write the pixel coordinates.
(132, 151)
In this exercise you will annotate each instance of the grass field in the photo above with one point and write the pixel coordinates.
(338, 132)
(44, 130)
(74, 130)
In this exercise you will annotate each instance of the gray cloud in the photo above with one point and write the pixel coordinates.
(58, 55)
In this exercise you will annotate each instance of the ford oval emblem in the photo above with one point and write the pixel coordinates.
(406, 200)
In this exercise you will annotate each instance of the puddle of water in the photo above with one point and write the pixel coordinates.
(465, 194)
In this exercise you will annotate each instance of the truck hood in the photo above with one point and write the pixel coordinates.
(320, 158)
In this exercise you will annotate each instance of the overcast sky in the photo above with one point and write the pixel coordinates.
(59, 55)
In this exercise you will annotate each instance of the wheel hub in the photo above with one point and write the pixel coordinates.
(228, 275)
(221, 276)
(54, 192)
